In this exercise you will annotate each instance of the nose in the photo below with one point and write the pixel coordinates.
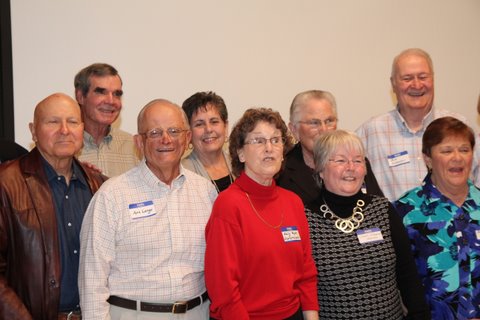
(322, 127)
(268, 145)
(109, 98)
(64, 128)
(416, 83)
(208, 127)
(457, 155)
(350, 165)
(165, 139)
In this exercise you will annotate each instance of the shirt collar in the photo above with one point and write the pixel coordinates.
(432, 194)
(151, 179)
(88, 140)
(51, 174)
(403, 123)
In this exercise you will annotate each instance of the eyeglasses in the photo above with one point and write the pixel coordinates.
(157, 133)
(275, 141)
(315, 123)
(342, 162)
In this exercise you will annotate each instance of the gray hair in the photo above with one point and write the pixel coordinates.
(328, 143)
(82, 79)
(140, 117)
(411, 52)
(301, 99)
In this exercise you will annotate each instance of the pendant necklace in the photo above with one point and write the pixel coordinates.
(261, 218)
(346, 225)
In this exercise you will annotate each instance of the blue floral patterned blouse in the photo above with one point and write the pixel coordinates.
(445, 240)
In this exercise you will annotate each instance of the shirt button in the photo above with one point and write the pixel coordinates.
(69, 224)
(59, 178)
(66, 197)
(75, 251)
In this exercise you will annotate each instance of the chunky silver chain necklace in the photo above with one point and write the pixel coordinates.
(346, 225)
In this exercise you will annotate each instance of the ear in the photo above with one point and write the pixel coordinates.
(226, 129)
(79, 97)
(293, 130)
(428, 161)
(321, 174)
(188, 137)
(241, 155)
(31, 126)
(138, 139)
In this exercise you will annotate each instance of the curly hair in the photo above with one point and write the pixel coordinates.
(246, 124)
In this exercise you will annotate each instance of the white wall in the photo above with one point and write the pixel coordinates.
(251, 52)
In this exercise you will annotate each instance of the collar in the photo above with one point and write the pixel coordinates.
(88, 140)
(152, 180)
(51, 174)
(256, 189)
(403, 123)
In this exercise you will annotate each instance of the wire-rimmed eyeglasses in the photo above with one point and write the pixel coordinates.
(157, 133)
(315, 123)
(275, 141)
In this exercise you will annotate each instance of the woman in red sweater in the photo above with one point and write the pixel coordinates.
(258, 262)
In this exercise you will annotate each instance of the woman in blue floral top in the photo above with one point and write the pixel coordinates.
(442, 218)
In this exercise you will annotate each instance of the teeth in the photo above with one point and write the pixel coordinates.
(416, 94)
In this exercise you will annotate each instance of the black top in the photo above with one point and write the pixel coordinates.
(298, 177)
(223, 183)
(10, 150)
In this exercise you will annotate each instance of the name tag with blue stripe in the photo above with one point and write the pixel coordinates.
(141, 209)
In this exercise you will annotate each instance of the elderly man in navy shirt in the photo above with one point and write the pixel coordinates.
(43, 197)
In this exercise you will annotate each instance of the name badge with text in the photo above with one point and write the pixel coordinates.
(369, 236)
(290, 234)
(141, 209)
(399, 158)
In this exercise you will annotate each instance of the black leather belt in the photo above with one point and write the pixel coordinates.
(177, 307)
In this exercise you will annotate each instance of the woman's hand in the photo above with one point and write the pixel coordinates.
(310, 315)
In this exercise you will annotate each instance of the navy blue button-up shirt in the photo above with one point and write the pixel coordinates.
(71, 202)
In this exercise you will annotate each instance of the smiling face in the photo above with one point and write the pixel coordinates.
(209, 131)
(57, 128)
(262, 161)
(344, 172)
(413, 83)
(450, 162)
(102, 104)
(163, 153)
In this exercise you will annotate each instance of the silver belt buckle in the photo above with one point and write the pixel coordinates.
(180, 307)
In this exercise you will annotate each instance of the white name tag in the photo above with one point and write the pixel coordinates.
(290, 234)
(141, 209)
(369, 235)
(399, 158)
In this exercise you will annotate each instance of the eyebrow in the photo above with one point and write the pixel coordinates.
(99, 90)
(104, 90)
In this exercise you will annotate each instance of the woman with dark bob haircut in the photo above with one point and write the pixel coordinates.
(442, 218)
(258, 262)
(208, 118)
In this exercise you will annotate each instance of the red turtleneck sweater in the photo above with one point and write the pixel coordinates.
(251, 272)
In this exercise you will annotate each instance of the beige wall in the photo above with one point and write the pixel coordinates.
(253, 52)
